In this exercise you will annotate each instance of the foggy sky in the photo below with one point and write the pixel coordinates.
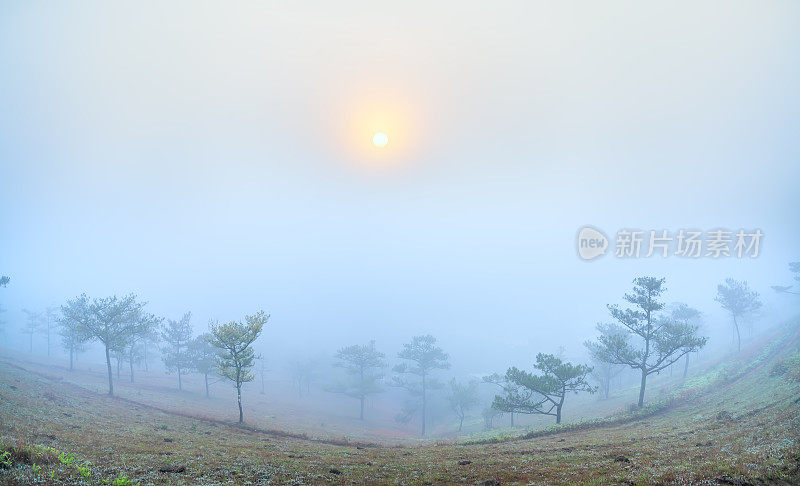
(215, 157)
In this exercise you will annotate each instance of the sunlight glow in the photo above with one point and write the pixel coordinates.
(380, 139)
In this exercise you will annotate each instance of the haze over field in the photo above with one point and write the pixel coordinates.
(370, 172)
(217, 159)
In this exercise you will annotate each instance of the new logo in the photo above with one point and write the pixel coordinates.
(592, 243)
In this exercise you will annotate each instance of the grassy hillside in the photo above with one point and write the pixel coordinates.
(736, 423)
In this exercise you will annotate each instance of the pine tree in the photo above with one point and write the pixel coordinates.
(363, 365)
(423, 357)
(112, 321)
(234, 341)
(544, 393)
(736, 297)
(204, 357)
(463, 397)
(177, 335)
(657, 342)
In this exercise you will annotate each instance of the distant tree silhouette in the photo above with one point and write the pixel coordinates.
(603, 371)
(302, 373)
(73, 338)
(33, 325)
(489, 413)
(177, 335)
(49, 323)
(423, 358)
(736, 297)
(262, 371)
(689, 316)
(500, 380)
(204, 357)
(364, 366)
(133, 347)
(463, 397)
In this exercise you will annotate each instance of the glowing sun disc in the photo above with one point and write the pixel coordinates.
(380, 139)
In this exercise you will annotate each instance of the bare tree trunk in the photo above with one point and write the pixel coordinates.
(110, 382)
(738, 336)
(206, 375)
(560, 404)
(642, 387)
(460, 422)
(361, 381)
(424, 389)
(512, 420)
(70, 358)
(130, 361)
(686, 366)
(239, 397)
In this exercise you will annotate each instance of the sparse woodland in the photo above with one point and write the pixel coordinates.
(645, 336)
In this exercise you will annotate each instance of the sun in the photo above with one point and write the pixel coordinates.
(380, 139)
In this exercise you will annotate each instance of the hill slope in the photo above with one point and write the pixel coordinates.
(738, 423)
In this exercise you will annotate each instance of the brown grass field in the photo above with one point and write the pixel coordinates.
(736, 422)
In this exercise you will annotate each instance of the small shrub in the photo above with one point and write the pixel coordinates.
(5, 460)
(17, 454)
(122, 480)
(84, 469)
(66, 459)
